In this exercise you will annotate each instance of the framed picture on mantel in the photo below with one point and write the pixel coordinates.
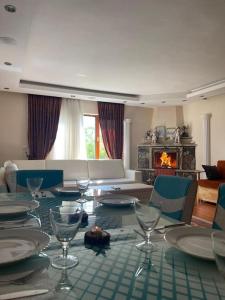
(170, 132)
(161, 130)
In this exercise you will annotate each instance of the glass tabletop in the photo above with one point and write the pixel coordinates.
(113, 219)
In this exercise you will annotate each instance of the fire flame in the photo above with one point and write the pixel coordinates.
(165, 160)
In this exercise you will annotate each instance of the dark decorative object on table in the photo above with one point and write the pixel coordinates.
(97, 236)
(212, 172)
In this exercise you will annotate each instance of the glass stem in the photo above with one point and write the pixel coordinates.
(65, 247)
(148, 235)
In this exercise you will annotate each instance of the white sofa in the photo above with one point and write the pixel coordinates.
(100, 172)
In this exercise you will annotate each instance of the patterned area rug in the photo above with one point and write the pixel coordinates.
(196, 221)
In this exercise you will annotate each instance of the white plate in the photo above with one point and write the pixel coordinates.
(18, 244)
(13, 208)
(24, 268)
(68, 191)
(195, 241)
(117, 200)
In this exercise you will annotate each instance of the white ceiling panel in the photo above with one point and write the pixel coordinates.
(148, 48)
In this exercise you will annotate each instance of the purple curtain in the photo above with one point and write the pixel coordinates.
(111, 117)
(43, 119)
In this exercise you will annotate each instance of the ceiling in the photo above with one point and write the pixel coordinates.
(156, 52)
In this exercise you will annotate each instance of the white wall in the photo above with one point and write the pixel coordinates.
(141, 120)
(13, 126)
(193, 117)
(168, 116)
(89, 107)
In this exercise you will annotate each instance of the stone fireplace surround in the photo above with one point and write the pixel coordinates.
(182, 158)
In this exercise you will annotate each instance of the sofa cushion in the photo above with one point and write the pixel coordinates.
(103, 169)
(111, 181)
(30, 164)
(95, 182)
(72, 169)
(212, 172)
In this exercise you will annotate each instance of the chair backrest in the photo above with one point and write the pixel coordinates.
(219, 218)
(51, 179)
(176, 195)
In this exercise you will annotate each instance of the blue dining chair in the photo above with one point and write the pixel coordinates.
(51, 179)
(219, 218)
(176, 195)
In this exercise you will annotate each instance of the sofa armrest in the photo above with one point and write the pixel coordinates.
(134, 175)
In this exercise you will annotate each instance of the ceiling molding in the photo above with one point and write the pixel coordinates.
(212, 89)
(76, 92)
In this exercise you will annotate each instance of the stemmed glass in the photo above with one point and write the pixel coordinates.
(145, 266)
(82, 186)
(65, 221)
(64, 284)
(33, 185)
(218, 245)
(147, 217)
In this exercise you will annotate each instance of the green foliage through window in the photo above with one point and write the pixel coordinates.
(90, 138)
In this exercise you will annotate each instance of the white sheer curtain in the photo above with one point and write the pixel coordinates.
(69, 143)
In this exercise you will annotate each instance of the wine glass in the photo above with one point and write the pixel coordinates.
(64, 284)
(65, 221)
(33, 185)
(218, 245)
(147, 217)
(146, 266)
(82, 186)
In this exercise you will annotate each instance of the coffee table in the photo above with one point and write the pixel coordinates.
(139, 190)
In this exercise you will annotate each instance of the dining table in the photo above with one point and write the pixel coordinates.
(118, 271)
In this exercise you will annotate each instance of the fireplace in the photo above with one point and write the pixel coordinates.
(165, 158)
(156, 159)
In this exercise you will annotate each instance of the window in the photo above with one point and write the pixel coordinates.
(93, 138)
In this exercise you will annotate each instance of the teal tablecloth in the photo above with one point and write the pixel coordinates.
(112, 274)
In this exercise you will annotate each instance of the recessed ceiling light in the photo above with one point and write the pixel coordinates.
(10, 8)
(184, 100)
(6, 88)
(163, 102)
(72, 96)
(204, 98)
(7, 63)
(142, 103)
